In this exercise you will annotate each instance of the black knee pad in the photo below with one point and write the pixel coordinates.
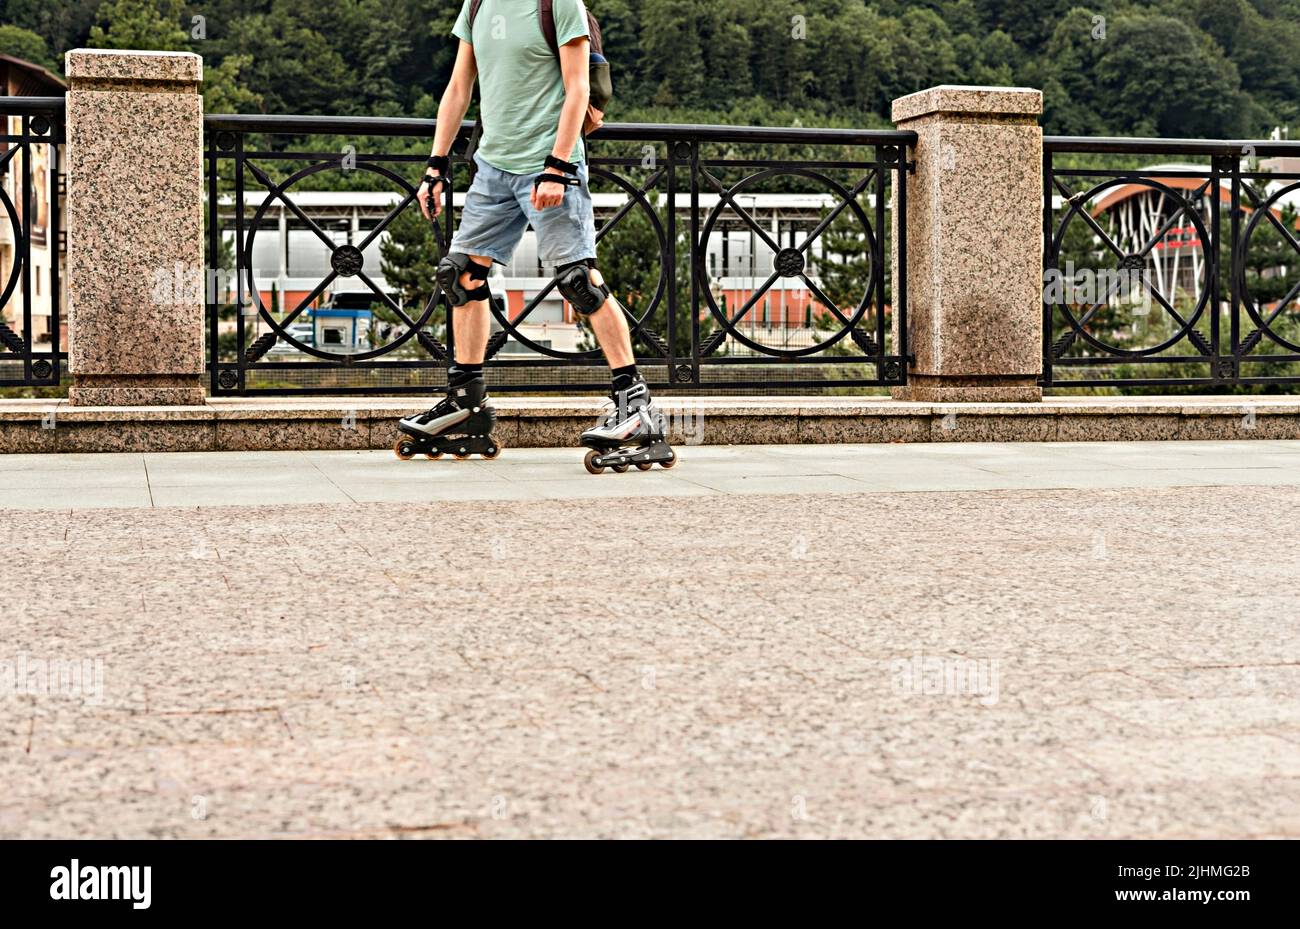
(575, 286)
(448, 275)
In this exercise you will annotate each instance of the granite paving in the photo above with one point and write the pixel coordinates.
(974, 641)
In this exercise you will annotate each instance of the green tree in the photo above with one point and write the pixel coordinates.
(140, 24)
(1173, 67)
(1067, 75)
(1029, 22)
(1271, 268)
(25, 44)
(63, 25)
(294, 66)
(673, 52)
(1158, 77)
(921, 43)
(845, 268)
(223, 92)
(727, 48)
(380, 50)
(409, 257)
(620, 30)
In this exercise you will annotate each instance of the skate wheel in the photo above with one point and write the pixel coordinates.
(590, 462)
(670, 462)
(404, 449)
(494, 451)
(620, 468)
(433, 456)
(644, 465)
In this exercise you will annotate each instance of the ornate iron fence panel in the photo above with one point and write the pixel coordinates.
(767, 272)
(32, 241)
(1170, 263)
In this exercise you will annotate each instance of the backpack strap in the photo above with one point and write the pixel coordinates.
(546, 16)
(473, 11)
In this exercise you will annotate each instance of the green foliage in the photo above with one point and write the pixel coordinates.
(140, 24)
(845, 276)
(409, 258)
(844, 273)
(222, 90)
(1211, 68)
(1158, 77)
(1271, 272)
(25, 44)
(63, 25)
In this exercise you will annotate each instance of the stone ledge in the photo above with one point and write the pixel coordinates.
(969, 101)
(259, 424)
(86, 67)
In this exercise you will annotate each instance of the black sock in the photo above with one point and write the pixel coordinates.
(624, 377)
(460, 373)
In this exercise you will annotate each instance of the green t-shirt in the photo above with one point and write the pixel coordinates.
(521, 89)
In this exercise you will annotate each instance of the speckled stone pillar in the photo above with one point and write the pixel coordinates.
(135, 228)
(974, 243)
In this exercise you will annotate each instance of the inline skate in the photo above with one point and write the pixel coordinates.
(460, 425)
(632, 433)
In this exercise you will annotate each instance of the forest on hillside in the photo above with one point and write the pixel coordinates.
(1199, 68)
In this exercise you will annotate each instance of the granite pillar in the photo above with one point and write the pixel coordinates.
(135, 228)
(974, 244)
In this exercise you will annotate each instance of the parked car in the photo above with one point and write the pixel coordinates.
(304, 332)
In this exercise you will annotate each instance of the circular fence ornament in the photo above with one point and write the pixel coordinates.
(1132, 260)
(789, 262)
(347, 260)
(1264, 321)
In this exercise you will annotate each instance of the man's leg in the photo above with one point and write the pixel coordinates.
(632, 433)
(462, 422)
(610, 326)
(472, 325)
(491, 225)
(584, 287)
(463, 279)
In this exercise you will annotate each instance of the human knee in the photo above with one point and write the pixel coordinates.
(582, 285)
(463, 279)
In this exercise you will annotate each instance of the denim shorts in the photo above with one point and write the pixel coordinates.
(498, 209)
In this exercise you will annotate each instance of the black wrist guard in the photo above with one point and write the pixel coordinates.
(556, 179)
(432, 179)
(565, 166)
(440, 163)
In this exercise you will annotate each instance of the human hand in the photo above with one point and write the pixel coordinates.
(430, 195)
(548, 195)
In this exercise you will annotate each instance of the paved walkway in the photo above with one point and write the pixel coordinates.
(279, 478)
(1063, 641)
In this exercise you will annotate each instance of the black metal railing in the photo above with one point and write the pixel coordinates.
(1170, 263)
(31, 202)
(823, 239)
